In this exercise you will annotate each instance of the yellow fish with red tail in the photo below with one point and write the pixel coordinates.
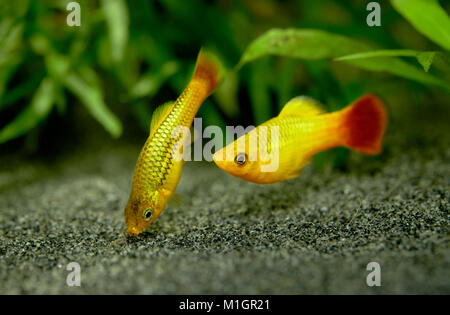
(301, 130)
(157, 172)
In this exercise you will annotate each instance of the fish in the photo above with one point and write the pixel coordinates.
(302, 129)
(157, 171)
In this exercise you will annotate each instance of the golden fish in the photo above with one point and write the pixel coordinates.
(301, 130)
(157, 172)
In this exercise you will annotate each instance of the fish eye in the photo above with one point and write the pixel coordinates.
(241, 158)
(148, 214)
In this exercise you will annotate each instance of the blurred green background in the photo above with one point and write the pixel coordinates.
(128, 57)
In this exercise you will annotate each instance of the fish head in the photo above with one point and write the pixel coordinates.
(239, 159)
(141, 211)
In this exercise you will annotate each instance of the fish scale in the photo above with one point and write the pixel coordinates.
(304, 129)
(157, 172)
(157, 154)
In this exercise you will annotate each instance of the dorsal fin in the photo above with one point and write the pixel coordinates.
(159, 114)
(302, 106)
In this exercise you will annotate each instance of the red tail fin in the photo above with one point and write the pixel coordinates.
(366, 120)
(208, 68)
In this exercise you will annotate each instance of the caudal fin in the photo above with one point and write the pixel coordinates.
(366, 121)
(209, 70)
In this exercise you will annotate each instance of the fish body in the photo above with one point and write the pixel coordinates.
(301, 130)
(157, 173)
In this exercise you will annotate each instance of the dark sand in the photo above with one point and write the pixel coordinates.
(313, 234)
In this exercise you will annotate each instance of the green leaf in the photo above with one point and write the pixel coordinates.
(142, 113)
(226, 95)
(425, 58)
(211, 117)
(92, 98)
(60, 99)
(306, 44)
(31, 116)
(285, 84)
(428, 17)
(57, 65)
(10, 53)
(315, 44)
(399, 68)
(150, 83)
(259, 91)
(40, 44)
(442, 62)
(90, 77)
(116, 13)
(21, 90)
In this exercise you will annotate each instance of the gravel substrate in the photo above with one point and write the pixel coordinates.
(313, 234)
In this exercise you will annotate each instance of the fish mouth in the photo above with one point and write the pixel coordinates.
(216, 155)
(133, 231)
(218, 159)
